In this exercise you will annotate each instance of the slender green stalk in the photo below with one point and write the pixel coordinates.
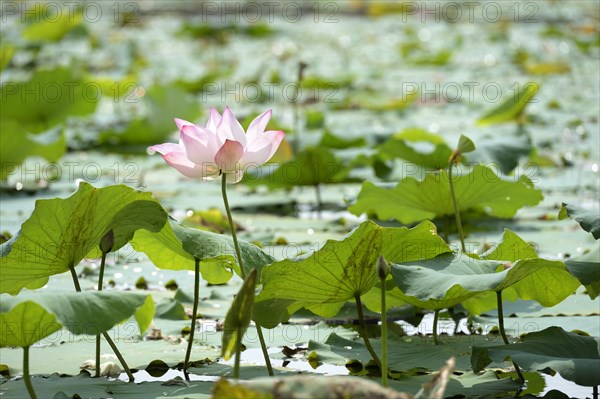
(363, 331)
(75, 279)
(105, 334)
(503, 332)
(319, 199)
(384, 371)
(115, 350)
(26, 377)
(188, 353)
(261, 338)
(296, 107)
(100, 284)
(296, 124)
(238, 353)
(456, 212)
(436, 317)
(97, 373)
(263, 347)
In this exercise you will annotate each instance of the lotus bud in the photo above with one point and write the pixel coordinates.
(107, 242)
(383, 269)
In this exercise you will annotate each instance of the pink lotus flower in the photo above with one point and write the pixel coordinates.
(221, 147)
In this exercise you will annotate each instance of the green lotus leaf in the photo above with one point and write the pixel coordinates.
(512, 108)
(450, 279)
(49, 26)
(404, 353)
(15, 148)
(47, 99)
(25, 324)
(575, 357)
(586, 268)
(161, 103)
(88, 312)
(419, 147)
(480, 190)
(330, 140)
(505, 151)
(61, 232)
(175, 246)
(6, 54)
(589, 220)
(322, 281)
(465, 145)
(309, 167)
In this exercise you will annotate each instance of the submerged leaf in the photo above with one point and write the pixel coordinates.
(575, 357)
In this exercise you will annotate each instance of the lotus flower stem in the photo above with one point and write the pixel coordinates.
(26, 377)
(238, 351)
(100, 283)
(436, 316)
(363, 331)
(503, 333)
(456, 212)
(384, 372)
(319, 199)
(105, 334)
(261, 338)
(383, 270)
(300, 77)
(186, 362)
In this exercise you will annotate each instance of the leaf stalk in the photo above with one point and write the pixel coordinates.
(188, 352)
(105, 334)
(363, 328)
(456, 211)
(503, 333)
(26, 376)
(261, 338)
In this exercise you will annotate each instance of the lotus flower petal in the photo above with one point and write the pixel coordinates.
(230, 129)
(228, 156)
(258, 126)
(179, 161)
(181, 123)
(213, 120)
(221, 146)
(199, 144)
